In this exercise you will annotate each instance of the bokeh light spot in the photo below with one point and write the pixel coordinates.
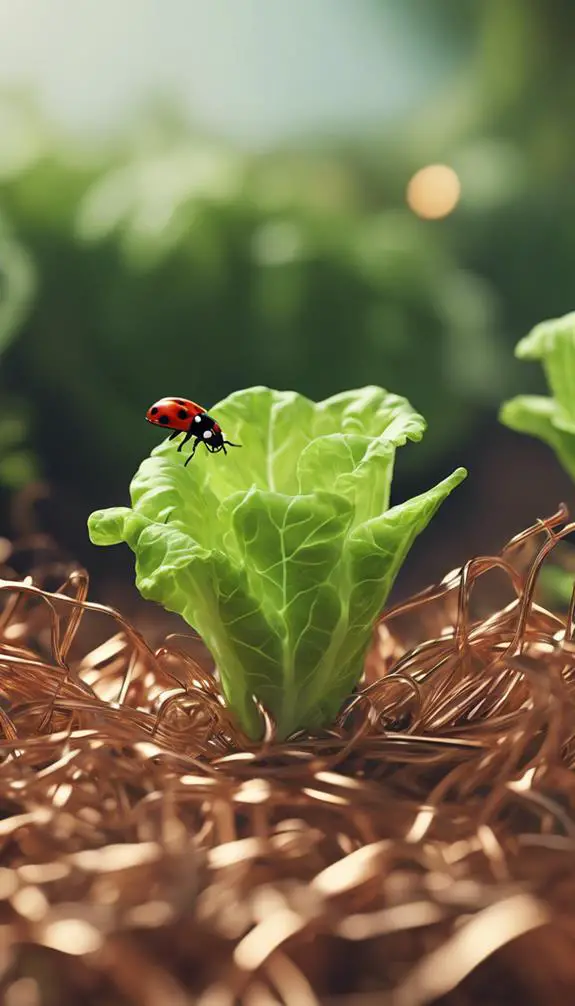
(433, 192)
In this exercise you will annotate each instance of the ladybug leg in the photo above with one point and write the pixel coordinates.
(189, 434)
(190, 456)
(175, 434)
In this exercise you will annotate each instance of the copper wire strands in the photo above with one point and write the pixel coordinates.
(420, 851)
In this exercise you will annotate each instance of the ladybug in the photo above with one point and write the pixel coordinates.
(183, 416)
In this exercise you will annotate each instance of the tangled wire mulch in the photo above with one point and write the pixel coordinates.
(421, 851)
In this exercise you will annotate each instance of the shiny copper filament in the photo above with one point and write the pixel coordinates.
(420, 850)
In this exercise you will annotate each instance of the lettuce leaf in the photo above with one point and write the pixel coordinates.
(549, 418)
(282, 554)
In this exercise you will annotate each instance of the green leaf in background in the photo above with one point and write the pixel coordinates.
(555, 586)
(18, 464)
(282, 554)
(551, 419)
(553, 343)
(17, 285)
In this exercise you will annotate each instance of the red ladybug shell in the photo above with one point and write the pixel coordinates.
(173, 413)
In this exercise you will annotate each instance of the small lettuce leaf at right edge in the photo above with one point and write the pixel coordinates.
(553, 343)
(540, 417)
(280, 555)
(550, 419)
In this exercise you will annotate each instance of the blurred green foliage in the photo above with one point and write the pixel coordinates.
(179, 266)
(17, 285)
(168, 263)
(505, 123)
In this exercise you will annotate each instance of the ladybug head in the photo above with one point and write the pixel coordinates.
(216, 442)
(212, 436)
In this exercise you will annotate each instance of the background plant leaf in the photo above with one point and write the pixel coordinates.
(551, 419)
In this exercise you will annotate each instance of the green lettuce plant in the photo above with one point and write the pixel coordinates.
(281, 554)
(550, 418)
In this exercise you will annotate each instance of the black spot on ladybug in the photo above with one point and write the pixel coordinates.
(182, 414)
(164, 419)
(179, 401)
(154, 410)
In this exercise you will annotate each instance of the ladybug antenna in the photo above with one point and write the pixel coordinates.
(223, 446)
